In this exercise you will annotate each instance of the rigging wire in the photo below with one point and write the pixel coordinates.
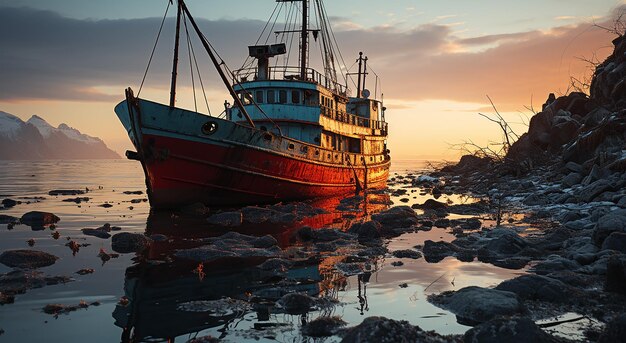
(153, 49)
(245, 62)
(193, 84)
(345, 77)
(193, 53)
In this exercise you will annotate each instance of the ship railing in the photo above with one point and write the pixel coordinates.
(292, 73)
(352, 119)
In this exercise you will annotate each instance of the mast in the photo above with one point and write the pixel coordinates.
(304, 37)
(175, 64)
(207, 47)
(358, 87)
(364, 71)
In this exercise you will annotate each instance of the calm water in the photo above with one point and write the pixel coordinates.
(155, 289)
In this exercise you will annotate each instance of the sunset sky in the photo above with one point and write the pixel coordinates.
(69, 61)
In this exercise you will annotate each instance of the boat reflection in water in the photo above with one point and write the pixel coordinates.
(170, 298)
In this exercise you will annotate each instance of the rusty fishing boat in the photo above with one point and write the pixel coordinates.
(291, 132)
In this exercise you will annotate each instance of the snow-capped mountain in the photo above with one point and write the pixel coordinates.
(37, 139)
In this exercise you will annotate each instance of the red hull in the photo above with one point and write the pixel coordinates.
(184, 172)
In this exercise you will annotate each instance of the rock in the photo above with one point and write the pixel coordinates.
(471, 224)
(57, 309)
(616, 241)
(4, 219)
(276, 264)
(307, 233)
(509, 330)
(19, 281)
(6, 203)
(537, 287)
(381, 330)
(442, 223)
(349, 269)
(615, 330)
(228, 219)
(573, 167)
(366, 231)
(66, 192)
(323, 326)
(571, 179)
(37, 218)
(554, 263)
(431, 204)
(407, 253)
(504, 241)
(232, 245)
(133, 192)
(100, 233)
(77, 200)
(29, 259)
(468, 163)
(588, 193)
(437, 251)
(474, 305)
(397, 217)
(534, 200)
(609, 223)
(616, 274)
(296, 303)
(126, 242)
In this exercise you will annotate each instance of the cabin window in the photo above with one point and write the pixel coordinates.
(295, 97)
(282, 96)
(259, 97)
(271, 97)
(246, 98)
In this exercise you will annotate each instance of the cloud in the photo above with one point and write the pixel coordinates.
(47, 56)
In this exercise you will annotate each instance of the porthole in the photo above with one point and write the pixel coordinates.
(209, 127)
(291, 146)
(317, 152)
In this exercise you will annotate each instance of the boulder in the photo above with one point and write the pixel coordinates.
(437, 251)
(66, 192)
(6, 203)
(100, 233)
(297, 303)
(382, 330)
(588, 193)
(28, 259)
(228, 219)
(509, 330)
(126, 242)
(397, 217)
(554, 263)
(431, 204)
(611, 222)
(37, 218)
(571, 179)
(4, 219)
(323, 326)
(616, 241)
(474, 305)
(615, 330)
(232, 245)
(366, 231)
(407, 253)
(537, 287)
